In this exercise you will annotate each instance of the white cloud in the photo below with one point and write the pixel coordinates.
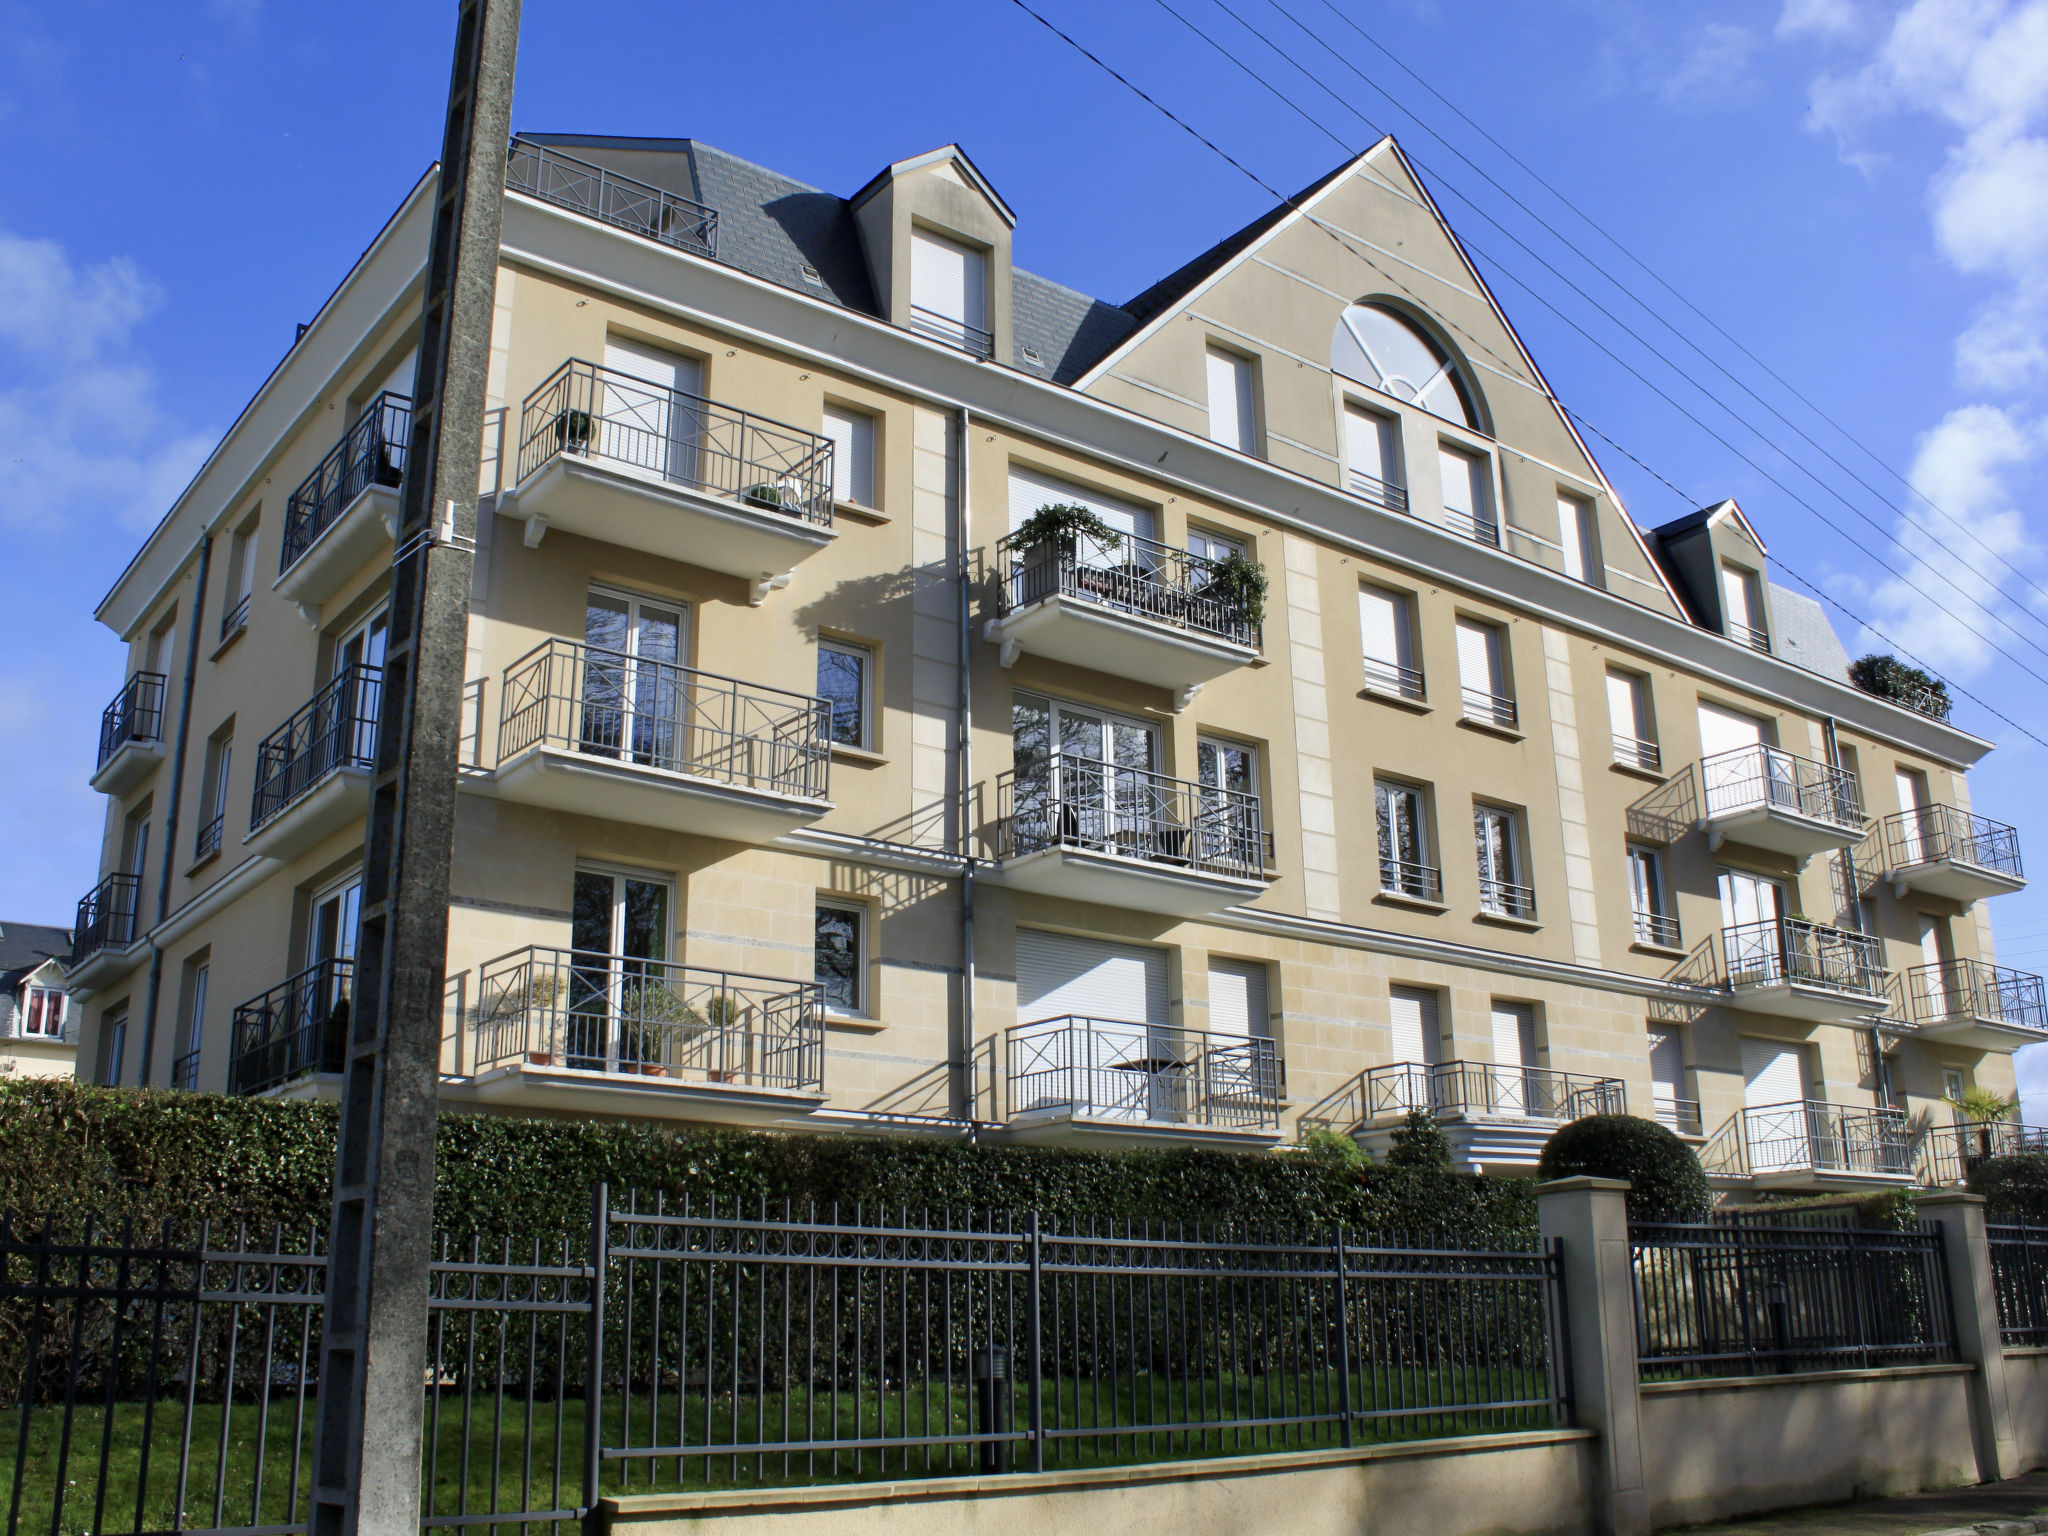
(85, 432)
(1818, 18)
(1716, 65)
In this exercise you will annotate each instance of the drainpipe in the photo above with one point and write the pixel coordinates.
(963, 1056)
(170, 843)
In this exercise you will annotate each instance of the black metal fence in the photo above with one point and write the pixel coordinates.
(106, 916)
(136, 714)
(2019, 1276)
(1130, 574)
(371, 452)
(167, 1379)
(581, 187)
(1736, 1299)
(336, 728)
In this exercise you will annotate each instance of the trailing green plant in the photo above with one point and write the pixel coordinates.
(1419, 1143)
(1666, 1182)
(1060, 525)
(1890, 678)
(2014, 1186)
(69, 1149)
(1239, 582)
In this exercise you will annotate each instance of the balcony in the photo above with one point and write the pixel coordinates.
(611, 457)
(1948, 1154)
(608, 197)
(598, 733)
(131, 734)
(1390, 677)
(1657, 929)
(345, 512)
(1127, 837)
(1135, 608)
(1809, 1144)
(1767, 798)
(1495, 1116)
(104, 933)
(313, 772)
(1118, 1083)
(295, 1032)
(1480, 530)
(613, 1034)
(1968, 1003)
(1943, 851)
(1796, 969)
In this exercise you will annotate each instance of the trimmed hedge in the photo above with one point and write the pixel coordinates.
(1665, 1178)
(70, 1150)
(2014, 1186)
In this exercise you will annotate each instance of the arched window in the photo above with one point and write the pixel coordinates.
(1377, 346)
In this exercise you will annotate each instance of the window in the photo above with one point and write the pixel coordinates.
(1468, 500)
(113, 1046)
(1418, 1037)
(157, 650)
(43, 1013)
(1952, 1086)
(623, 995)
(241, 580)
(185, 1070)
(840, 957)
(633, 694)
(213, 791)
(1668, 1102)
(1482, 675)
(1497, 840)
(1513, 1088)
(1204, 545)
(1628, 718)
(1228, 814)
(1575, 537)
(1386, 625)
(1237, 999)
(1752, 941)
(135, 841)
(1650, 921)
(1084, 777)
(335, 914)
(1372, 458)
(1388, 352)
(1742, 607)
(853, 455)
(1233, 419)
(845, 677)
(1405, 869)
(1030, 490)
(949, 292)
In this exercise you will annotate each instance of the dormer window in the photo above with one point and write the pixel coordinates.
(1742, 607)
(1388, 352)
(949, 292)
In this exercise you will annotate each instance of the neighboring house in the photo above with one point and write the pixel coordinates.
(1352, 752)
(38, 1024)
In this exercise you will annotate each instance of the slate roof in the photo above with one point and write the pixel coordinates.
(1801, 633)
(24, 946)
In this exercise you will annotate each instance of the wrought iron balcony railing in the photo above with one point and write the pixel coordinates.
(137, 714)
(1133, 813)
(1656, 928)
(235, 616)
(1793, 951)
(371, 452)
(185, 1072)
(1933, 834)
(1948, 1154)
(1812, 1136)
(335, 729)
(1149, 1074)
(1752, 777)
(954, 333)
(1488, 708)
(1392, 677)
(1680, 1115)
(106, 916)
(1403, 877)
(582, 1012)
(1503, 898)
(659, 715)
(1133, 575)
(1632, 752)
(1969, 989)
(601, 414)
(294, 1030)
(1381, 493)
(1755, 639)
(610, 198)
(1467, 1088)
(207, 843)
(1480, 530)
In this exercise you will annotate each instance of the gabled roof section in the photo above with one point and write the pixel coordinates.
(952, 152)
(24, 946)
(1720, 512)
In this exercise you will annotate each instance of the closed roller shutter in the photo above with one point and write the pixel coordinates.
(1772, 1073)
(1667, 1072)
(948, 280)
(1479, 666)
(1058, 974)
(1383, 626)
(1514, 1035)
(1412, 1012)
(1030, 491)
(1625, 713)
(1237, 998)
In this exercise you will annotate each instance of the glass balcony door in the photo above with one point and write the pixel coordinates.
(634, 700)
(619, 931)
(1751, 907)
(1230, 833)
(362, 646)
(1089, 773)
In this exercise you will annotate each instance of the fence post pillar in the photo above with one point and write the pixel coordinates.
(1590, 1217)
(1973, 1298)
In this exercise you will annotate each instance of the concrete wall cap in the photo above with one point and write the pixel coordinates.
(1949, 1197)
(1580, 1181)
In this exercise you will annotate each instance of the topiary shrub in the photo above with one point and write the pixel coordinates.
(1666, 1182)
(2014, 1186)
(1420, 1143)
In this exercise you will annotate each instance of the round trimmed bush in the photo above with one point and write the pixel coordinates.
(1666, 1182)
(2014, 1186)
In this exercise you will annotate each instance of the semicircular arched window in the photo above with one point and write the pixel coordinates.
(1379, 347)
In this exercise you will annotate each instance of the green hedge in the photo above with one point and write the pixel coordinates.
(2014, 1186)
(70, 1150)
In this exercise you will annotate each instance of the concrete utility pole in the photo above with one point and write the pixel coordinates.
(366, 1460)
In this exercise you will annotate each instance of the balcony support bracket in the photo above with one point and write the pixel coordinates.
(1008, 649)
(310, 612)
(536, 530)
(1185, 696)
(1714, 838)
(763, 584)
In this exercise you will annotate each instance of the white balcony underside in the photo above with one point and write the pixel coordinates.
(132, 762)
(1803, 1000)
(345, 546)
(1066, 1126)
(583, 785)
(528, 1085)
(1778, 829)
(637, 509)
(1951, 878)
(1825, 1179)
(1104, 639)
(1974, 1033)
(1139, 885)
(338, 799)
(1480, 1143)
(103, 968)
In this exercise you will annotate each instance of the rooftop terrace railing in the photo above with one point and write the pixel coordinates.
(577, 185)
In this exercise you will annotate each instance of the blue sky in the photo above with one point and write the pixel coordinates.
(1856, 191)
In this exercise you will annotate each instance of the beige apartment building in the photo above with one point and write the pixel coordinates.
(1335, 747)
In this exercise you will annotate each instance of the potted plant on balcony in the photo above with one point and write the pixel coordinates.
(1238, 584)
(1981, 1109)
(572, 431)
(724, 1010)
(1052, 536)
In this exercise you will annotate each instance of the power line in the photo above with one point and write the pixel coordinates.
(1521, 283)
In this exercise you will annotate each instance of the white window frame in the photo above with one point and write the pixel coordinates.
(1493, 704)
(1389, 488)
(1634, 740)
(1578, 538)
(1426, 874)
(1208, 544)
(1234, 419)
(31, 998)
(1646, 925)
(865, 655)
(1408, 680)
(863, 919)
(1494, 902)
(1483, 520)
(241, 577)
(854, 434)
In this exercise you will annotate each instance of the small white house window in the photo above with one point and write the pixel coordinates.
(846, 682)
(1468, 498)
(1482, 674)
(1232, 412)
(841, 955)
(43, 1013)
(241, 580)
(1742, 604)
(1575, 539)
(949, 292)
(853, 455)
